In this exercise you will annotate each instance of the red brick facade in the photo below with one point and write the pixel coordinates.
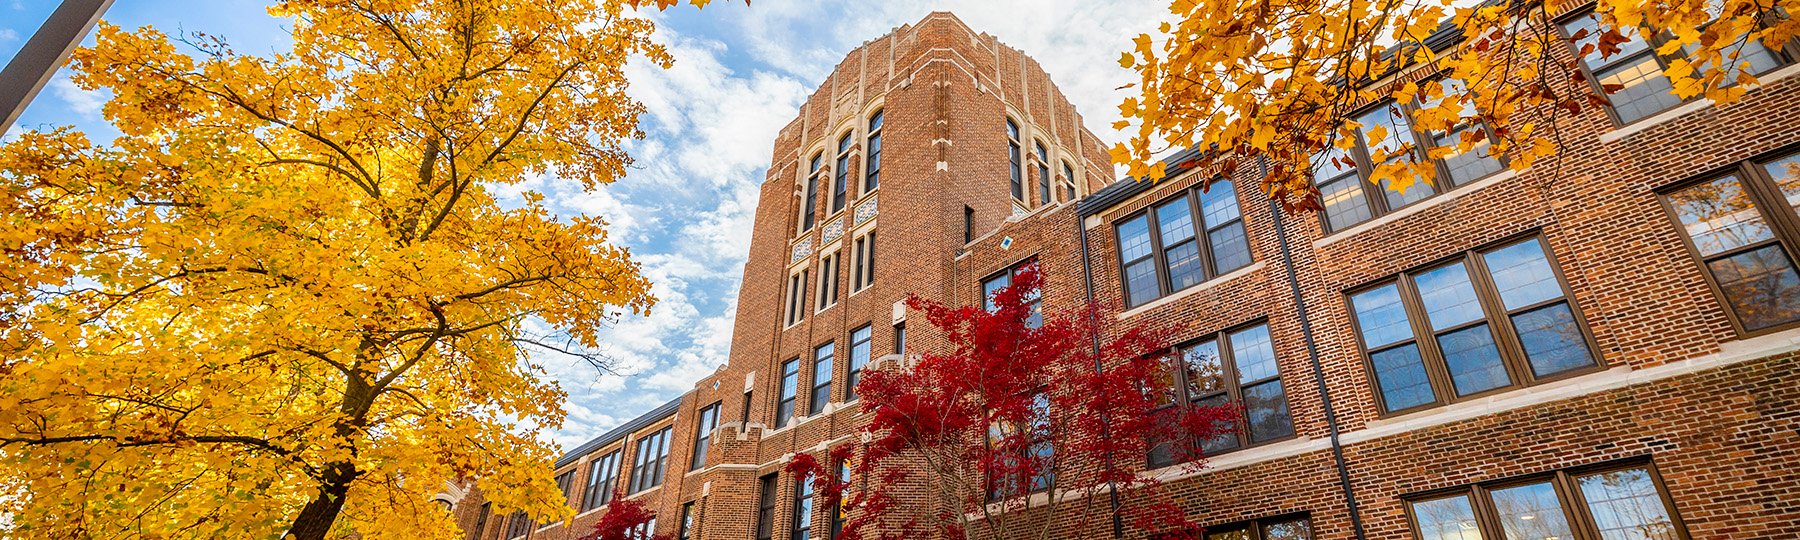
(1676, 389)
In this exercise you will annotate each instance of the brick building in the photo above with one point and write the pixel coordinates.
(1601, 349)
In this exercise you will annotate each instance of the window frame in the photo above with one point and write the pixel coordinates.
(1045, 196)
(871, 177)
(706, 421)
(1067, 183)
(1007, 273)
(1762, 189)
(1363, 167)
(841, 475)
(518, 525)
(1573, 503)
(809, 199)
(785, 398)
(1015, 160)
(1233, 389)
(565, 483)
(862, 270)
(766, 506)
(1202, 239)
(481, 520)
(1494, 313)
(601, 489)
(684, 527)
(1254, 528)
(853, 371)
(826, 293)
(648, 473)
(840, 183)
(825, 357)
(1783, 55)
(802, 522)
(798, 281)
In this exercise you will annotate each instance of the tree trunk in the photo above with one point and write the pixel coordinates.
(316, 518)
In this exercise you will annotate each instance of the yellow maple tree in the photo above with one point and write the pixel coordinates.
(1298, 83)
(286, 301)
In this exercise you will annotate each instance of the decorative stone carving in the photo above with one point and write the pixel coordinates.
(867, 209)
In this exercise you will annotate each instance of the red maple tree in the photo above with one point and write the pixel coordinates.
(625, 519)
(1027, 425)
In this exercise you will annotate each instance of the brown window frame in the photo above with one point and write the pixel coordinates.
(1254, 529)
(599, 490)
(684, 529)
(1037, 303)
(1233, 390)
(706, 420)
(1762, 190)
(565, 483)
(824, 357)
(766, 505)
(1494, 313)
(1045, 196)
(481, 520)
(1202, 238)
(796, 300)
(805, 497)
(862, 270)
(1374, 197)
(853, 371)
(827, 291)
(840, 183)
(1573, 503)
(789, 399)
(1785, 55)
(648, 472)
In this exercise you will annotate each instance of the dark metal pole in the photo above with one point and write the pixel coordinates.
(1087, 281)
(27, 73)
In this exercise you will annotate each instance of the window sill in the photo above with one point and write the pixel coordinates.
(1684, 109)
(1195, 289)
(1415, 208)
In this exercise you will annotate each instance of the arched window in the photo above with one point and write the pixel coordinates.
(1043, 173)
(1012, 156)
(810, 203)
(840, 185)
(872, 161)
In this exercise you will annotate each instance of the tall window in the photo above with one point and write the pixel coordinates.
(1492, 319)
(790, 384)
(1636, 70)
(1734, 224)
(648, 462)
(872, 162)
(859, 359)
(803, 507)
(840, 186)
(828, 280)
(1229, 367)
(703, 429)
(1164, 249)
(565, 483)
(481, 521)
(968, 224)
(517, 525)
(765, 508)
(1068, 183)
(1037, 453)
(646, 529)
(1043, 173)
(862, 271)
(685, 528)
(1620, 502)
(602, 474)
(1034, 299)
(796, 301)
(842, 480)
(809, 206)
(1276, 528)
(1012, 157)
(821, 378)
(900, 337)
(1387, 137)
(744, 415)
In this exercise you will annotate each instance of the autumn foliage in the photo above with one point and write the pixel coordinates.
(1012, 424)
(625, 519)
(1291, 82)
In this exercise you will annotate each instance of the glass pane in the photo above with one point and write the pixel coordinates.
(1266, 410)
(1140, 282)
(1298, 529)
(1760, 285)
(1786, 172)
(1401, 376)
(992, 287)
(1229, 534)
(1473, 360)
(1230, 249)
(859, 348)
(1470, 165)
(1448, 296)
(1396, 140)
(1175, 221)
(1205, 372)
(1531, 512)
(1626, 506)
(1634, 42)
(1218, 204)
(1644, 90)
(1226, 438)
(1344, 202)
(1446, 519)
(1552, 339)
(822, 363)
(1760, 58)
(1522, 274)
(1381, 317)
(1253, 353)
(1719, 216)
(1184, 264)
(1134, 238)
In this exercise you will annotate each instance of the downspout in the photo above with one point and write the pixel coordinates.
(1312, 353)
(1087, 281)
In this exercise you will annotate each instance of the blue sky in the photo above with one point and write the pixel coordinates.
(686, 211)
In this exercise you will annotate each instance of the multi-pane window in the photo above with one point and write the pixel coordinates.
(823, 360)
(565, 483)
(703, 428)
(862, 269)
(684, 529)
(602, 474)
(1616, 503)
(1277, 528)
(842, 480)
(828, 281)
(796, 300)
(803, 508)
(859, 359)
(1491, 319)
(481, 521)
(809, 204)
(518, 525)
(1012, 157)
(872, 162)
(840, 185)
(1043, 173)
(1635, 72)
(1166, 249)
(644, 530)
(790, 386)
(765, 508)
(1037, 452)
(1033, 299)
(1386, 138)
(1741, 227)
(649, 460)
(1068, 183)
(1231, 367)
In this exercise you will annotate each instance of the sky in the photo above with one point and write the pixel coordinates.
(686, 210)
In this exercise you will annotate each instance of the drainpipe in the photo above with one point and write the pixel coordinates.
(1312, 353)
(1087, 281)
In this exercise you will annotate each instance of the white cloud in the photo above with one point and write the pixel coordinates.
(8, 35)
(79, 101)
